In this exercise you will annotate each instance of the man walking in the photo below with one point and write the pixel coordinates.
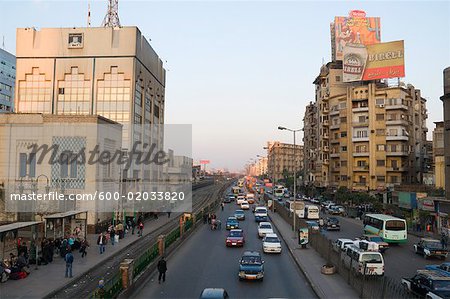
(69, 261)
(141, 229)
(112, 235)
(101, 241)
(162, 268)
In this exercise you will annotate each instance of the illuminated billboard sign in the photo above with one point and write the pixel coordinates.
(378, 61)
(355, 29)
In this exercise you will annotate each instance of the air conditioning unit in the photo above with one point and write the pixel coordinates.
(381, 105)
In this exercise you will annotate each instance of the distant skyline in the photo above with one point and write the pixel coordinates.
(238, 70)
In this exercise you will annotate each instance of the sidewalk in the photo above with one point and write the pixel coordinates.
(310, 263)
(51, 277)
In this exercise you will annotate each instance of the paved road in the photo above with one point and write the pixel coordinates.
(204, 261)
(400, 259)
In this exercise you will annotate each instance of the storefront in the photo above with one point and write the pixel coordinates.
(65, 224)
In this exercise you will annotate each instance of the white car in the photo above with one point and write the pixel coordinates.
(245, 205)
(240, 199)
(264, 228)
(271, 243)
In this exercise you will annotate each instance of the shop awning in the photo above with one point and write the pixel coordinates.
(17, 225)
(63, 214)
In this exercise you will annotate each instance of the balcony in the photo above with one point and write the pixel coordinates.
(393, 122)
(394, 107)
(395, 169)
(360, 139)
(326, 122)
(335, 126)
(397, 137)
(326, 148)
(360, 109)
(397, 153)
(361, 124)
(335, 155)
(325, 110)
(325, 136)
(326, 161)
(361, 154)
(361, 168)
(334, 112)
(334, 141)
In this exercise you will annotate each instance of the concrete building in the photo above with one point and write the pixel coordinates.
(446, 101)
(438, 155)
(283, 159)
(23, 172)
(7, 80)
(371, 136)
(310, 138)
(259, 167)
(107, 71)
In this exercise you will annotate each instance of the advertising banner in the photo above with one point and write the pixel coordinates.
(303, 236)
(378, 61)
(355, 29)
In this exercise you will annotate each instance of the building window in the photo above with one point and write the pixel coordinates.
(338, 78)
(381, 147)
(380, 117)
(27, 165)
(343, 178)
(381, 163)
(380, 132)
(362, 118)
(138, 95)
(343, 148)
(344, 163)
(344, 134)
(394, 179)
(381, 178)
(22, 165)
(74, 94)
(361, 163)
(35, 93)
(379, 102)
(343, 120)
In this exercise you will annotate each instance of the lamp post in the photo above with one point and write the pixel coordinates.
(295, 176)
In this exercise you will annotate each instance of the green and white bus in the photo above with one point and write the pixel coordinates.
(390, 229)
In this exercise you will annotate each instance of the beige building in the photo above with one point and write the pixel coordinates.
(112, 72)
(310, 138)
(283, 159)
(259, 167)
(446, 101)
(25, 170)
(370, 136)
(438, 155)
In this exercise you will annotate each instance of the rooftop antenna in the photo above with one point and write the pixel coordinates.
(112, 15)
(89, 15)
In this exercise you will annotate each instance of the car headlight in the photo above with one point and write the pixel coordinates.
(242, 273)
(427, 251)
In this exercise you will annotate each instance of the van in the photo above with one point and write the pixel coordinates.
(341, 244)
(363, 262)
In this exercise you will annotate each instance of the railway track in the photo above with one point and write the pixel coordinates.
(83, 286)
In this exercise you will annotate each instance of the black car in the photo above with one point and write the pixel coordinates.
(214, 293)
(332, 223)
(430, 247)
(429, 284)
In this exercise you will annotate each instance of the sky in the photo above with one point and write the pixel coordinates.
(239, 69)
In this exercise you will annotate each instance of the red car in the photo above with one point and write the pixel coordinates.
(235, 238)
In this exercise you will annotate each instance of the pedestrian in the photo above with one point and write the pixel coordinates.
(209, 218)
(443, 240)
(83, 247)
(222, 205)
(101, 242)
(112, 235)
(168, 214)
(162, 268)
(69, 261)
(219, 224)
(141, 229)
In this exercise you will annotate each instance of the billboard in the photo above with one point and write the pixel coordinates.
(204, 161)
(377, 61)
(355, 29)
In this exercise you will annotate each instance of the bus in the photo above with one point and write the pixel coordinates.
(390, 229)
(241, 183)
(312, 212)
(278, 191)
(300, 207)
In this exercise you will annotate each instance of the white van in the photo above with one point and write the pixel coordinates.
(341, 244)
(357, 260)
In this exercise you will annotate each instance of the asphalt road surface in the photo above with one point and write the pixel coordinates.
(204, 261)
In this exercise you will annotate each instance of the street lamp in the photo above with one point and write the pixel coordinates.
(295, 176)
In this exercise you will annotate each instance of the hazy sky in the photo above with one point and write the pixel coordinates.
(237, 70)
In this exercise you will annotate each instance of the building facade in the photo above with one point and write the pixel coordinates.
(283, 160)
(7, 80)
(438, 155)
(112, 72)
(446, 101)
(371, 136)
(310, 135)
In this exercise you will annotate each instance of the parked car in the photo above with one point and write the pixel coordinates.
(235, 238)
(430, 247)
(232, 223)
(239, 214)
(261, 214)
(340, 244)
(443, 268)
(332, 223)
(214, 293)
(245, 205)
(382, 246)
(429, 284)
(264, 228)
(251, 266)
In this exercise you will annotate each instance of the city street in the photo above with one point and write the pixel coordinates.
(204, 261)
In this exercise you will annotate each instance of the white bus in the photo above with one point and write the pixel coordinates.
(312, 212)
(300, 207)
(278, 191)
(390, 229)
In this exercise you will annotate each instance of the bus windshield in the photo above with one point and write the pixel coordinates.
(395, 225)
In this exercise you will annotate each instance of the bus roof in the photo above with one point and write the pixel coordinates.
(384, 217)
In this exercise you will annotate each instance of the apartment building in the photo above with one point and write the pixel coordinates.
(371, 135)
(446, 102)
(310, 135)
(438, 155)
(284, 159)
